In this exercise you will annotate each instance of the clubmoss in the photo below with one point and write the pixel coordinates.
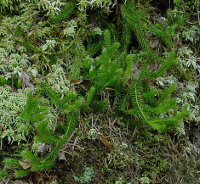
(107, 78)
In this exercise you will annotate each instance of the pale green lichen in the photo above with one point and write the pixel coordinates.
(11, 105)
(57, 80)
(104, 4)
(15, 129)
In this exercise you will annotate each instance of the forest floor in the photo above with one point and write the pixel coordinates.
(107, 146)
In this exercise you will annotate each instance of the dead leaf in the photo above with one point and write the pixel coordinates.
(161, 20)
(24, 164)
(180, 44)
(75, 81)
(154, 43)
(61, 156)
(41, 148)
(82, 86)
(26, 80)
(80, 83)
(135, 70)
(109, 89)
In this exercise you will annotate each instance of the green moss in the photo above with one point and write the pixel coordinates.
(86, 54)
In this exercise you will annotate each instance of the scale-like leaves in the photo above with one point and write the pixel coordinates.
(171, 61)
(166, 93)
(46, 135)
(32, 111)
(150, 114)
(65, 12)
(90, 96)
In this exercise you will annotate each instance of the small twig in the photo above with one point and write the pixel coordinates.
(1, 144)
(183, 4)
(67, 67)
(75, 142)
(54, 128)
(190, 22)
(92, 120)
(7, 182)
(134, 132)
(66, 152)
(68, 141)
(13, 83)
(106, 142)
(198, 12)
